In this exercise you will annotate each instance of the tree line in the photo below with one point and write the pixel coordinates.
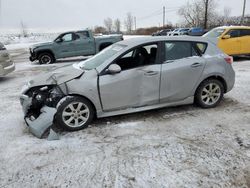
(195, 13)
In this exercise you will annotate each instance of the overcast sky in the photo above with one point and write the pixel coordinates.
(88, 13)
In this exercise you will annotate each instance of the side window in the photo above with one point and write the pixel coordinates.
(178, 50)
(245, 32)
(234, 33)
(67, 37)
(140, 56)
(76, 36)
(84, 34)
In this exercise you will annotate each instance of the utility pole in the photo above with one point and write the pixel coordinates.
(135, 22)
(164, 15)
(243, 13)
(0, 12)
(206, 11)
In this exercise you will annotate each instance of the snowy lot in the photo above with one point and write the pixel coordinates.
(172, 147)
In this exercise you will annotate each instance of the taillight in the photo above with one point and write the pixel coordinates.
(229, 59)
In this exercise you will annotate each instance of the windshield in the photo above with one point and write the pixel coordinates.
(101, 57)
(2, 46)
(215, 32)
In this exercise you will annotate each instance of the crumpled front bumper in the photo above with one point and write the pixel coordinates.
(39, 126)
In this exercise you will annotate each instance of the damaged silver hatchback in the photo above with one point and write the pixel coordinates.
(129, 76)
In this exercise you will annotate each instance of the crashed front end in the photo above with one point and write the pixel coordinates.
(39, 107)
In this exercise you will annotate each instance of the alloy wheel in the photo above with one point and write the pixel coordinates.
(75, 114)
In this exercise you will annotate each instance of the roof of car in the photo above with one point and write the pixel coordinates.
(234, 27)
(142, 40)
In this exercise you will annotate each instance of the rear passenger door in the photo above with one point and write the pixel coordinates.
(181, 70)
(85, 45)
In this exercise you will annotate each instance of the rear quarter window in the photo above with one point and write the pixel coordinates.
(201, 47)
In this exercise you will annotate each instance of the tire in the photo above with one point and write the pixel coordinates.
(74, 113)
(209, 94)
(46, 58)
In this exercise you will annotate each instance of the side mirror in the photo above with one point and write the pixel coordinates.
(114, 69)
(59, 40)
(226, 37)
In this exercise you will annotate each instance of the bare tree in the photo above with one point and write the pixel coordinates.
(225, 18)
(198, 13)
(129, 22)
(108, 23)
(100, 30)
(117, 25)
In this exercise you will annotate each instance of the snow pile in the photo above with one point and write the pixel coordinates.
(173, 147)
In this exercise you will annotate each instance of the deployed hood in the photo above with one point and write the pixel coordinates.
(56, 77)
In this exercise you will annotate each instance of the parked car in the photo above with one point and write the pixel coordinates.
(163, 32)
(6, 64)
(71, 44)
(179, 31)
(130, 76)
(232, 40)
(196, 31)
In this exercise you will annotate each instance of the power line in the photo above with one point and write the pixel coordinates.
(159, 13)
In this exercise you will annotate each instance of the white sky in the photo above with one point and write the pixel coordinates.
(88, 13)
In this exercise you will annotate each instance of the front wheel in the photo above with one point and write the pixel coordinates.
(209, 94)
(74, 113)
(46, 58)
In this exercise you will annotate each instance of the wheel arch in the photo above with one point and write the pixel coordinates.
(217, 77)
(45, 51)
(81, 96)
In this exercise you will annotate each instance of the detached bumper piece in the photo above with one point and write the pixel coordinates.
(39, 126)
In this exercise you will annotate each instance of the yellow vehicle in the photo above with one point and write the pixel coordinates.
(232, 40)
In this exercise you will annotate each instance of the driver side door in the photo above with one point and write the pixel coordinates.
(136, 85)
(66, 46)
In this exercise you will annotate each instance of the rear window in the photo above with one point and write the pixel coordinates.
(215, 32)
(201, 46)
(2, 47)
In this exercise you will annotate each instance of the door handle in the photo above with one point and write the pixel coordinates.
(196, 65)
(150, 73)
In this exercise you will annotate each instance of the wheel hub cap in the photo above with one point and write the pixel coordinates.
(75, 114)
(211, 94)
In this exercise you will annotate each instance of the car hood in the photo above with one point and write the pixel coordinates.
(56, 77)
(42, 44)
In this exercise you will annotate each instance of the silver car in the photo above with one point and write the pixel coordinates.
(6, 64)
(130, 76)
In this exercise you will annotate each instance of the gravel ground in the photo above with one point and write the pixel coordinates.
(172, 147)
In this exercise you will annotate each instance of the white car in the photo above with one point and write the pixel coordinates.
(6, 64)
(180, 31)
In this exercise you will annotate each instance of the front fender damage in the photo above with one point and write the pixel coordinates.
(42, 124)
(39, 126)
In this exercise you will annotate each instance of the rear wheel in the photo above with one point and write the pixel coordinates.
(74, 113)
(46, 58)
(209, 94)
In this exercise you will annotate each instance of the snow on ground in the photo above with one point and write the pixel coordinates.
(172, 147)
